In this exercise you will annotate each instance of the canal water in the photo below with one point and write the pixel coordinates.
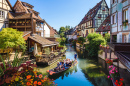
(88, 71)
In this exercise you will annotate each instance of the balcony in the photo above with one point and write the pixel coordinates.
(119, 47)
(124, 58)
(125, 28)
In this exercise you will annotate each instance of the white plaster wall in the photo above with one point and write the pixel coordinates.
(74, 36)
(47, 31)
(1, 26)
(6, 8)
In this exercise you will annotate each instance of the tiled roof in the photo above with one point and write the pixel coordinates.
(28, 13)
(26, 33)
(9, 4)
(91, 13)
(42, 41)
(27, 4)
(15, 16)
(105, 26)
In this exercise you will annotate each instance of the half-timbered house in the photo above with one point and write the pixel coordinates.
(94, 18)
(5, 7)
(25, 18)
(104, 27)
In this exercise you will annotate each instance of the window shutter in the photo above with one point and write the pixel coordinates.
(111, 19)
(120, 38)
(129, 15)
(120, 18)
(129, 38)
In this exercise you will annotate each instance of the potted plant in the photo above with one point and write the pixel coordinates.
(115, 60)
(108, 61)
(125, 23)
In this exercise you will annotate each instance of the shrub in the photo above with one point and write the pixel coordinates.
(100, 52)
(94, 41)
(107, 37)
(23, 75)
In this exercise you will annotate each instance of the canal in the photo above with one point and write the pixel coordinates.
(88, 71)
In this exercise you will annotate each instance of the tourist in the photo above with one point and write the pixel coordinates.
(75, 56)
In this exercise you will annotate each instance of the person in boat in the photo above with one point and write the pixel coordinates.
(58, 67)
(68, 62)
(75, 56)
(61, 65)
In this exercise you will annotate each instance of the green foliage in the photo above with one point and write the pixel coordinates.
(56, 53)
(15, 63)
(100, 52)
(61, 40)
(107, 37)
(11, 38)
(81, 40)
(47, 51)
(94, 41)
(64, 49)
(67, 27)
(62, 31)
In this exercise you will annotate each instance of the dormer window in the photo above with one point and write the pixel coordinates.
(113, 1)
(99, 15)
(103, 9)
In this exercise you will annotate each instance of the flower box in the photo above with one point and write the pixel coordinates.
(115, 60)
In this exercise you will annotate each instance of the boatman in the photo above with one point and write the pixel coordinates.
(75, 56)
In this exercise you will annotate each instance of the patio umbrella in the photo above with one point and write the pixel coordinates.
(35, 49)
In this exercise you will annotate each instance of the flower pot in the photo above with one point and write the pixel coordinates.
(115, 60)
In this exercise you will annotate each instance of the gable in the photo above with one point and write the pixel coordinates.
(18, 7)
(4, 4)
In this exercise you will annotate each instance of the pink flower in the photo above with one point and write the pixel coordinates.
(111, 78)
(108, 77)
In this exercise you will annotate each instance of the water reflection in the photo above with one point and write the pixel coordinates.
(88, 71)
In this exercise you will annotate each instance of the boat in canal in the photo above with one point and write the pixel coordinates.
(54, 72)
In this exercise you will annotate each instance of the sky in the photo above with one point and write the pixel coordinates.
(58, 13)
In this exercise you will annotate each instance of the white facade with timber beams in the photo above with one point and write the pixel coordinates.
(5, 7)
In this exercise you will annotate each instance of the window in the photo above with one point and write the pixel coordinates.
(113, 1)
(99, 15)
(1, 14)
(106, 15)
(113, 19)
(103, 9)
(125, 15)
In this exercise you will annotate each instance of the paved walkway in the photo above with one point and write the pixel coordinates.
(113, 57)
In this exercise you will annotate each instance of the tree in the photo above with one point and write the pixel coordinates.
(11, 38)
(107, 37)
(94, 41)
(67, 27)
(62, 31)
(61, 41)
(81, 40)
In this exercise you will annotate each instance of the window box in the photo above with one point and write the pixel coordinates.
(125, 23)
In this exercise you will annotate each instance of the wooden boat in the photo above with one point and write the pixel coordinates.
(53, 72)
